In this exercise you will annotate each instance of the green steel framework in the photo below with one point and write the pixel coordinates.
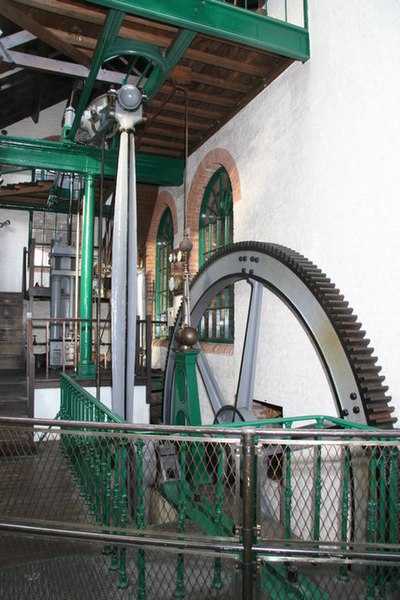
(209, 17)
(69, 157)
(224, 21)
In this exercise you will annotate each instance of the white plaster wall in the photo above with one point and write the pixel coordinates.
(13, 238)
(50, 123)
(47, 402)
(318, 155)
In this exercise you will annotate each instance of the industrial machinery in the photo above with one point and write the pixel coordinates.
(333, 329)
(120, 111)
(62, 289)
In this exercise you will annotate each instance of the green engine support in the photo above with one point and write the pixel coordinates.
(186, 395)
(86, 367)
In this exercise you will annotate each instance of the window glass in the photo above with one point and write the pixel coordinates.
(215, 232)
(163, 295)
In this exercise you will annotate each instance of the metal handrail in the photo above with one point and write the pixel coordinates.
(100, 448)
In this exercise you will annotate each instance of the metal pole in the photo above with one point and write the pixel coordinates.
(132, 280)
(71, 200)
(248, 515)
(77, 256)
(99, 270)
(86, 366)
(124, 278)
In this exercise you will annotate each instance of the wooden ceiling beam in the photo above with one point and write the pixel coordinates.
(93, 15)
(64, 9)
(156, 148)
(168, 132)
(76, 39)
(209, 115)
(60, 67)
(177, 122)
(13, 13)
(206, 98)
(219, 82)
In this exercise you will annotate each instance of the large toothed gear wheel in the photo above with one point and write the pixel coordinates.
(341, 344)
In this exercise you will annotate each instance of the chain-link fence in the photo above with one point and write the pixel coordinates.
(96, 510)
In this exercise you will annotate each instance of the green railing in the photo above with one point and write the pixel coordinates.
(277, 493)
(289, 11)
(99, 469)
(76, 404)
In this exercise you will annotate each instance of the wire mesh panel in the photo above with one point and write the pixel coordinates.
(337, 496)
(198, 512)
(128, 484)
(70, 570)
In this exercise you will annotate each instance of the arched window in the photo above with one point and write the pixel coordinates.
(215, 232)
(163, 296)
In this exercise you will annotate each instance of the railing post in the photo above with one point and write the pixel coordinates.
(30, 366)
(149, 340)
(248, 514)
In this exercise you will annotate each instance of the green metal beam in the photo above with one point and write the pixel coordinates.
(86, 367)
(56, 208)
(110, 31)
(223, 21)
(73, 158)
(174, 54)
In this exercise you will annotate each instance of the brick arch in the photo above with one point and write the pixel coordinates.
(164, 200)
(211, 162)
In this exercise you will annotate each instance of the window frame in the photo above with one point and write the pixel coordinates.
(216, 232)
(163, 298)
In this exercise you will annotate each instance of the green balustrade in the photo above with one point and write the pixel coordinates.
(100, 466)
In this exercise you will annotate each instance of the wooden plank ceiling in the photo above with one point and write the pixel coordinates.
(219, 77)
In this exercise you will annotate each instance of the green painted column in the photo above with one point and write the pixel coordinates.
(186, 395)
(86, 367)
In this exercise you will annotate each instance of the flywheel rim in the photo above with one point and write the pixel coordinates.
(351, 368)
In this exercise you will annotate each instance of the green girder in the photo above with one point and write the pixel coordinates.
(111, 27)
(73, 158)
(227, 22)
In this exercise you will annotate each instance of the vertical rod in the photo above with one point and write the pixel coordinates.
(371, 522)
(317, 493)
(86, 366)
(77, 255)
(343, 570)
(305, 14)
(131, 280)
(382, 507)
(248, 515)
(124, 280)
(148, 358)
(288, 492)
(71, 200)
(99, 270)
(123, 474)
(30, 363)
(47, 349)
(63, 346)
(219, 500)
(180, 589)
(394, 506)
(140, 522)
